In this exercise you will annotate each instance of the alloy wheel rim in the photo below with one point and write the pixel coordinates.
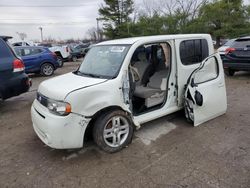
(116, 131)
(59, 60)
(47, 70)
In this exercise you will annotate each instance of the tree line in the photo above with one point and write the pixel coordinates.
(220, 18)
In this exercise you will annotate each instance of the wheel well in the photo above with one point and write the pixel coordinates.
(58, 54)
(88, 131)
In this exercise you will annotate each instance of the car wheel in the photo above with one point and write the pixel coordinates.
(74, 58)
(229, 72)
(113, 131)
(60, 61)
(47, 69)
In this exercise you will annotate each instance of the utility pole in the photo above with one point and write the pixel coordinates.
(41, 29)
(98, 29)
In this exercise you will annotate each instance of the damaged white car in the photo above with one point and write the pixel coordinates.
(124, 83)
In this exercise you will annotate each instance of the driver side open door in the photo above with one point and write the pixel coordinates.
(205, 94)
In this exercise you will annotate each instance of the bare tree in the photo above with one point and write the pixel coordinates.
(92, 33)
(95, 35)
(22, 36)
(170, 7)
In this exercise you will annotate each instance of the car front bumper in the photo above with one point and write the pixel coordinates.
(59, 132)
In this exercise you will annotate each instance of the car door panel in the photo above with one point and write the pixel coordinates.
(211, 85)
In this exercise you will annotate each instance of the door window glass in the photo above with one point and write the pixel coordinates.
(35, 51)
(193, 51)
(26, 52)
(209, 71)
(18, 52)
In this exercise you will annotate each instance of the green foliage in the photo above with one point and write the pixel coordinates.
(115, 14)
(220, 18)
(225, 18)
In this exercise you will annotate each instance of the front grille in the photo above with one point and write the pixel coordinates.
(42, 99)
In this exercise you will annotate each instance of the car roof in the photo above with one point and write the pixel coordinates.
(130, 41)
(6, 37)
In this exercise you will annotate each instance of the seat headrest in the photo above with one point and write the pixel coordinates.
(142, 56)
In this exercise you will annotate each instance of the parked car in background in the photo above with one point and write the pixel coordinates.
(222, 49)
(13, 80)
(75, 54)
(38, 60)
(23, 43)
(82, 48)
(62, 52)
(237, 56)
(113, 92)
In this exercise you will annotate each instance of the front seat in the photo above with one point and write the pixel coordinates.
(155, 91)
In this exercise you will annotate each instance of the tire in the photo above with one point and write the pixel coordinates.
(229, 72)
(74, 58)
(60, 61)
(47, 69)
(119, 131)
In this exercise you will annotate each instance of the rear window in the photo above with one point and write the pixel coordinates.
(6, 49)
(193, 51)
(241, 43)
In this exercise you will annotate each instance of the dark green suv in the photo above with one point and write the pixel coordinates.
(13, 80)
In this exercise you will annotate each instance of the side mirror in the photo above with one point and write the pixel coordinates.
(198, 98)
(192, 83)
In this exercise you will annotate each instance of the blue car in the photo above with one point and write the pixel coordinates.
(38, 60)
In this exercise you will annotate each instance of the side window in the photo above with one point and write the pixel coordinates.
(26, 52)
(18, 52)
(193, 51)
(209, 71)
(35, 51)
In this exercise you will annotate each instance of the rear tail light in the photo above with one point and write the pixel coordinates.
(18, 65)
(230, 50)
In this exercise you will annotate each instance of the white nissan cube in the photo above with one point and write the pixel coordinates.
(124, 83)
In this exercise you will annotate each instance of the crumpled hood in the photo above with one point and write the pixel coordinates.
(59, 87)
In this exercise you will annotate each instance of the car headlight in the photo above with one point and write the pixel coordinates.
(59, 108)
(56, 107)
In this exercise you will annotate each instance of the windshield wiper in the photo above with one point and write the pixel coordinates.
(87, 74)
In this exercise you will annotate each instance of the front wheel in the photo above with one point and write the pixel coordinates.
(74, 58)
(60, 61)
(113, 131)
(47, 69)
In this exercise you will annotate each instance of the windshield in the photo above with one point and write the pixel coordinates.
(103, 61)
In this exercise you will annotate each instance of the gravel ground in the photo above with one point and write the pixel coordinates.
(167, 152)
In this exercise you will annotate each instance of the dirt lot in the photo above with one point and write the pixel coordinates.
(168, 152)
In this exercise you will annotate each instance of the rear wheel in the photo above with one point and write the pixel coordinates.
(60, 61)
(113, 131)
(47, 69)
(229, 72)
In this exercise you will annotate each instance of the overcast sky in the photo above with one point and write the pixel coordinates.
(60, 19)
